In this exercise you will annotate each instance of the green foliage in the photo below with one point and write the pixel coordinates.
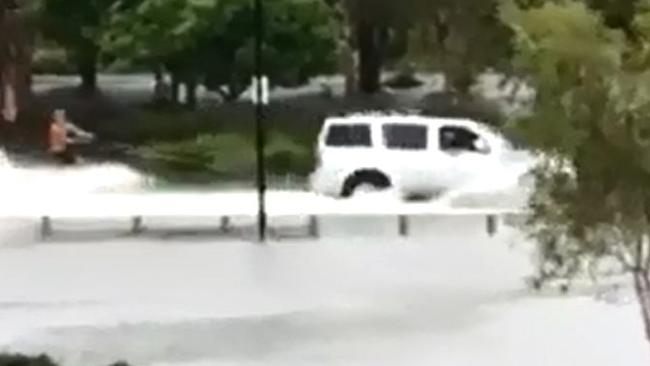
(460, 38)
(287, 156)
(158, 30)
(160, 126)
(213, 39)
(570, 62)
(591, 119)
(299, 42)
(74, 24)
(22, 360)
(227, 155)
(197, 40)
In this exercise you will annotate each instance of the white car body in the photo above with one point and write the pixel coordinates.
(416, 170)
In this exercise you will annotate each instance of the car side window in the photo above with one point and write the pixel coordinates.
(349, 135)
(405, 137)
(455, 138)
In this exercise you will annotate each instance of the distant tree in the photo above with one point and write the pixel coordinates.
(460, 38)
(163, 33)
(367, 29)
(617, 14)
(212, 41)
(591, 119)
(299, 43)
(77, 25)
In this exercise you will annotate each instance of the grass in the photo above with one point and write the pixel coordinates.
(146, 126)
(217, 144)
(226, 156)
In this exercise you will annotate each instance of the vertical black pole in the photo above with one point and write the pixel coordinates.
(259, 120)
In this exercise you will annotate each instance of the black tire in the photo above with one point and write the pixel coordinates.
(374, 178)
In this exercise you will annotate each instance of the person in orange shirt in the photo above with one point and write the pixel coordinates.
(59, 140)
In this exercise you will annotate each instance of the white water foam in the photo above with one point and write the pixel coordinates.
(96, 178)
(28, 184)
(504, 184)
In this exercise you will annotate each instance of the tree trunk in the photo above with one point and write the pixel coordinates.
(87, 65)
(401, 43)
(348, 67)
(9, 101)
(191, 88)
(642, 287)
(161, 92)
(88, 73)
(158, 73)
(370, 57)
(234, 91)
(15, 61)
(347, 57)
(176, 88)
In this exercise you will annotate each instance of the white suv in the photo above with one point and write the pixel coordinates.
(414, 155)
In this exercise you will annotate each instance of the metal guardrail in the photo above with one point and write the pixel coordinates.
(225, 206)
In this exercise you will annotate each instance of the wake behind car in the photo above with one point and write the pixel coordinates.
(416, 156)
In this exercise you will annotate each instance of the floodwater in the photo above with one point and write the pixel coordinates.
(447, 294)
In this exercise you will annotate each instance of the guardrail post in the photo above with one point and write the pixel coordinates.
(403, 223)
(137, 225)
(314, 230)
(225, 224)
(491, 225)
(46, 227)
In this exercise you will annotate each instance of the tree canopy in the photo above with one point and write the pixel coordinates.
(591, 119)
(77, 26)
(213, 40)
(460, 38)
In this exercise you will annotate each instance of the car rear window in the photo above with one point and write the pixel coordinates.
(353, 135)
(405, 137)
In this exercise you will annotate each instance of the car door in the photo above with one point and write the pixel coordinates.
(405, 148)
(466, 153)
(347, 147)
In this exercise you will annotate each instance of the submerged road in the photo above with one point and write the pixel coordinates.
(448, 295)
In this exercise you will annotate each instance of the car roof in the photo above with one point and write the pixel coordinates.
(490, 132)
(369, 118)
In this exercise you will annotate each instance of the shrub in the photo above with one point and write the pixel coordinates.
(22, 360)
(286, 156)
(7, 359)
(147, 126)
(404, 78)
(229, 155)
